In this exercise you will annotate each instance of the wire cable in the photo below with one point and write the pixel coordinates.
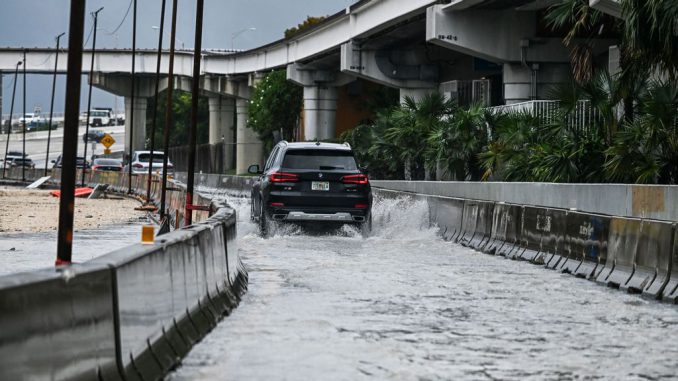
(123, 19)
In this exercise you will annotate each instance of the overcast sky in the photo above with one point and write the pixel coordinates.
(35, 23)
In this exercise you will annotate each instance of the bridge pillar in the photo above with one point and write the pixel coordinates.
(249, 149)
(138, 141)
(221, 121)
(320, 99)
(320, 112)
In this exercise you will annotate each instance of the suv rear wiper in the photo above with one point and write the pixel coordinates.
(329, 167)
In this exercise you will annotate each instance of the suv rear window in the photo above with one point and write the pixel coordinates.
(145, 157)
(319, 159)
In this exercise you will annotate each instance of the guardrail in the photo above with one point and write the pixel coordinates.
(129, 315)
(638, 255)
(548, 111)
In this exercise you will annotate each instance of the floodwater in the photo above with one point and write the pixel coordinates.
(31, 251)
(403, 304)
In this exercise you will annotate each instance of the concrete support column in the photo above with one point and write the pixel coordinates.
(320, 112)
(138, 141)
(249, 149)
(221, 122)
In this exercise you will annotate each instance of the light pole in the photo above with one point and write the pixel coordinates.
(95, 14)
(11, 111)
(167, 34)
(23, 150)
(132, 101)
(234, 35)
(51, 107)
(155, 108)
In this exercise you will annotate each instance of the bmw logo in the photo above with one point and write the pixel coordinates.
(320, 175)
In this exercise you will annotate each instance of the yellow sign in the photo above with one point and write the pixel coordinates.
(107, 151)
(107, 141)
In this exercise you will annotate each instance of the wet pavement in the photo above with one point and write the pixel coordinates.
(404, 305)
(30, 251)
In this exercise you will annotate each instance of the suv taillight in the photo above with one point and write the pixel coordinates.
(283, 177)
(355, 179)
(137, 165)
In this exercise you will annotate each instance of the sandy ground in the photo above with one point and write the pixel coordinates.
(24, 211)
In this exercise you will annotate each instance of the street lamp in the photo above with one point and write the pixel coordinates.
(11, 112)
(95, 15)
(167, 34)
(238, 33)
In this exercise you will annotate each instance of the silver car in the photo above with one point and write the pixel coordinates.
(142, 159)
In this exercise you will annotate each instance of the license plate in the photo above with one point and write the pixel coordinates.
(320, 185)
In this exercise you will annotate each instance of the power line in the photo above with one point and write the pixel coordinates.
(123, 19)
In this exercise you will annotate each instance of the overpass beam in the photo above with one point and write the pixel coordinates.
(138, 141)
(221, 120)
(249, 148)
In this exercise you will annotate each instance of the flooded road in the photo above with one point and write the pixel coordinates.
(405, 305)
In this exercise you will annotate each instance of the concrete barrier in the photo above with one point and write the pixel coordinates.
(58, 325)
(652, 260)
(468, 222)
(447, 214)
(586, 244)
(622, 246)
(131, 314)
(483, 228)
(501, 218)
(552, 251)
(534, 222)
(670, 293)
(511, 245)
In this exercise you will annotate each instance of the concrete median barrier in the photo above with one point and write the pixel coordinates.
(131, 314)
(511, 245)
(500, 221)
(552, 251)
(586, 244)
(483, 226)
(58, 324)
(447, 214)
(533, 224)
(670, 293)
(468, 222)
(622, 246)
(652, 260)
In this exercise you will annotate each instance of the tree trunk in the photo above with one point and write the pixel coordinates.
(408, 169)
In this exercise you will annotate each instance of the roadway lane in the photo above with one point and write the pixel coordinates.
(406, 305)
(36, 143)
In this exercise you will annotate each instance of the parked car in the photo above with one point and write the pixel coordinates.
(18, 161)
(79, 163)
(142, 159)
(106, 165)
(311, 182)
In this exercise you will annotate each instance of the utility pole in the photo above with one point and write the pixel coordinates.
(95, 14)
(11, 112)
(131, 114)
(23, 149)
(164, 227)
(155, 109)
(193, 130)
(51, 107)
(70, 144)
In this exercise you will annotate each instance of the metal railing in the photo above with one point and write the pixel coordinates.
(549, 111)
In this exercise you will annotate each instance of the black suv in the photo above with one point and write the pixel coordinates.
(311, 182)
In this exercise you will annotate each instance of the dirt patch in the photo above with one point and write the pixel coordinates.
(23, 211)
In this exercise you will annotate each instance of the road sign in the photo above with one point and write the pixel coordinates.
(107, 141)
(107, 151)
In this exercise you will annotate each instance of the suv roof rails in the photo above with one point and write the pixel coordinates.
(283, 142)
(347, 144)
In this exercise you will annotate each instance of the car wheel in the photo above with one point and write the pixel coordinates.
(264, 223)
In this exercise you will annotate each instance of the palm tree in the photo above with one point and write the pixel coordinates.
(413, 123)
